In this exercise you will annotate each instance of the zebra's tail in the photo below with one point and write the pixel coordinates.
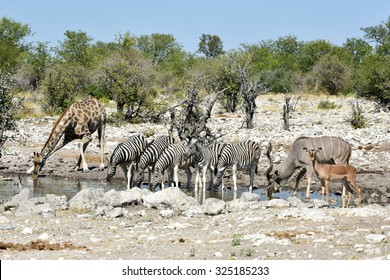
(271, 165)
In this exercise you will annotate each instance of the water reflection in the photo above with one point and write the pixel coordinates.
(68, 187)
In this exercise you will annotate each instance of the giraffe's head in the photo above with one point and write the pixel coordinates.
(39, 162)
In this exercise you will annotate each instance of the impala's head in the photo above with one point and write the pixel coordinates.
(312, 152)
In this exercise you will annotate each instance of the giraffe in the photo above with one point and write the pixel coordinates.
(79, 121)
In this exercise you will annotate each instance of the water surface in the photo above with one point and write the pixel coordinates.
(69, 187)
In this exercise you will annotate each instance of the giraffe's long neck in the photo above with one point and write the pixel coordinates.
(55, 135)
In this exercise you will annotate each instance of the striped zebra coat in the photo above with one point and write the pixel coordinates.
(126, 155)
(173, 159)
(206, 158)
(243, 155)
(149, 157)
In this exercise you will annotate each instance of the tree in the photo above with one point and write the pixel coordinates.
(7, 107)
(358, 48)
(331, 74)
(12, 34)
(157, 46)
(32, 71)
(128, 77)
(380, 35)
(311, 52)
(371, 79)
(75, 49)
(210, 45)
(249, 85)
(249, 90)
(62, 84)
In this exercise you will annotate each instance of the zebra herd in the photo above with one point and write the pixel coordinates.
(161, 154)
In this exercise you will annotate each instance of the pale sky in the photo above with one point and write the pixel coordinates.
(235, 22)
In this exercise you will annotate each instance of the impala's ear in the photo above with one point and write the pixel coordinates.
(319, 149)
(305, 149)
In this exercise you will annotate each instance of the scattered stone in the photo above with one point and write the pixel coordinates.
(25, 207)
(44, 236)
(375, 238)
(86, 198)
(134, 196)
(23, 195)
(171, 198)
(296, 202)
(27, 230)
(45, 210)
(248, 197)
(166, 213)
(213, 206)
(319, 203)
(57, 202)
(277, 203)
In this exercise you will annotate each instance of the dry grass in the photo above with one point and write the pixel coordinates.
(40, 245)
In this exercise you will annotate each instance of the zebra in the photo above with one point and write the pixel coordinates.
(205, 158)
(149, 157)
(126, 155)
(242, 155)
(172, 158)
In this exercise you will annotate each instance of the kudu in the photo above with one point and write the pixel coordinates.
(334, 151)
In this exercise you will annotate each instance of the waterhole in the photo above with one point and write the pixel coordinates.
(10, 186)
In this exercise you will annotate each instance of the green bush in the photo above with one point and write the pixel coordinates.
(371, 79)
(7, 107)
(357, 119)
(326, 105)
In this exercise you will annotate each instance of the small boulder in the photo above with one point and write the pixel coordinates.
(213, 206)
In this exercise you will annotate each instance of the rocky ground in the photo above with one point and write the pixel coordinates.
(100, 227)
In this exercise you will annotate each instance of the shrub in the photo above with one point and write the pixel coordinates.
(331, 74)
(326, 105)
(371, 79)
(357, 119)
(7, 107)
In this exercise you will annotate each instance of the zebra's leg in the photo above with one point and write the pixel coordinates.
(102, 141)
(204, 170)
(130, 176)
(196, 179)
(176, 175)
(125, 171)
(251, 177)
(150, 177)
(235, 177)
(189, 177)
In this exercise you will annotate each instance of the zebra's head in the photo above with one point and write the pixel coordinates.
(138, 176)
(190, 148)
(111, 170)
(157, 176)
(218, 176)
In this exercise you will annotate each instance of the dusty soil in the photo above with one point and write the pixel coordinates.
(144, 234)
